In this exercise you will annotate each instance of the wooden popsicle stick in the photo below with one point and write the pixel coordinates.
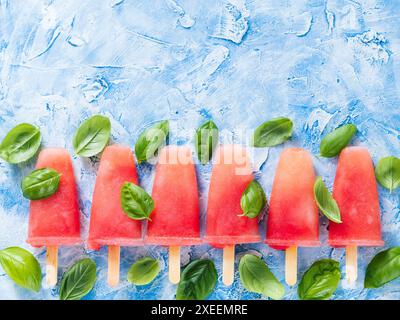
(51, 265)
(351, 263)
(291, 266)
(174, 265)
(113, 265)
(228, 265)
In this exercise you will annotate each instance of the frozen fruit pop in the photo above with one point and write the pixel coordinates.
(109, 225)
(175, 220)
(293, 213)
(54, 221)
(356, 194)
(231, 175)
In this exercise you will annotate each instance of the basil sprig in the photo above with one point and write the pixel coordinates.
(78, 280)
(335, 141)
(151, 140)
(387, 172)
(383, 268)
(143, 271)
(325, 201)
(273, 132)
(22, 267)
(136, 202)
(40, 183)
(206, 140)
(21, 143)
(198, 280)
(253, 200)
(256, 277)
(92, 136)
(320, 281)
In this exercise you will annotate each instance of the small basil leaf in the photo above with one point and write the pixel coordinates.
(136, 203)
(198, 280)
(40, 183)
(383, 268)
(92, 136)
(151, 140)
(78, 280)
(143, 271)
(273, 132)
(253, 200)
(387, 172)
(21, 143)
(22, 267)
(320, 281)
(256, 277)
(325, 201)
(335, 141)
(206, 140)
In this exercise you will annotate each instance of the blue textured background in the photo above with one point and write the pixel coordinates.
(321, 62)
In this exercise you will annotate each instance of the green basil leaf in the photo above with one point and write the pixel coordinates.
(21, 143)
(143, 271)
(40, 183)
(256, 277)
(136, 203)
(325, 201)
(206, 140)
(92, 136)
(383, 268)
(151, 140)
(320, 281)
(335, 141)
(387, 172)
(198, 280)
(273, 132)
(22, 267)
(253, 200)
(78, 280)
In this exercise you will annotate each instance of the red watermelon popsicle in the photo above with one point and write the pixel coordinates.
(356, 194)
(54, 221)
(175, 220)
(231, 175)
(293, 213)
(109, 225)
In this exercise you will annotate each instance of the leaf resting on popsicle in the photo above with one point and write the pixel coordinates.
(337, 140)
(325, 201)
(253, 200)
(40, 183)
(136, 202)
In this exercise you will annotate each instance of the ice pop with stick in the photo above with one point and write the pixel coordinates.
(293, 213)
(356, 194)
(175, 221)
(54, 221)
(109, 225)
(226, 225)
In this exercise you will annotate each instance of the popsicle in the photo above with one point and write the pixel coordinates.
(231, 174)
(356, 194)
(175, 221)
(54, 221)
(293, 213)
(109, 225)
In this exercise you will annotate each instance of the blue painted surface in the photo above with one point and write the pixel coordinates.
(321, 62)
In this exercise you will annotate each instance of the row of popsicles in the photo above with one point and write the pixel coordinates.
(292, 217)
